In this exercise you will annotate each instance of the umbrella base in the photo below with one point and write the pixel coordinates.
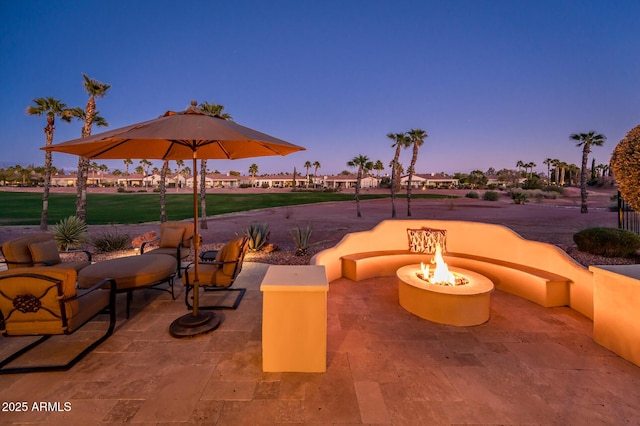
(189, 325)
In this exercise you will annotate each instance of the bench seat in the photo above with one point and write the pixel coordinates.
(544, 288)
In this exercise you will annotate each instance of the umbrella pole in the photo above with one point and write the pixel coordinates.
(196, 322)
(196, 239)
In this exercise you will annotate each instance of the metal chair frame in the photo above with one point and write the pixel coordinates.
(56, 285)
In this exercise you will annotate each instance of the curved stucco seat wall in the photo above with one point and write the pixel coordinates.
(491, 242)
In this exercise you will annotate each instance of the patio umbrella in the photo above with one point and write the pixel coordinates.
(190, 134)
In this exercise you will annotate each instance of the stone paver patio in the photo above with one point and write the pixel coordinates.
(527, 365)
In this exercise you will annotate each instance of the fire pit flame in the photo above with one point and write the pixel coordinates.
(441, 274)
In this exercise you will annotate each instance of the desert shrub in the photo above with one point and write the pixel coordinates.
(300, 238)
(258, 234)
(70, 233)
(472, 194)
(265, 185)
(519, 197)
(491, 196)
(533, 182)
(554, 188)
(608, 242)
(625, 163)
(120, 189)
(245, 185)
(111, 240)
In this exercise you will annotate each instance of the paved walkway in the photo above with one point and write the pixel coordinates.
(527, 365)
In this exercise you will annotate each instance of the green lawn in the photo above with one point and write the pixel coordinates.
(24, 208)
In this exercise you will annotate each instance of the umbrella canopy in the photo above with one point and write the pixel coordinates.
(190, 134)
(177, 136)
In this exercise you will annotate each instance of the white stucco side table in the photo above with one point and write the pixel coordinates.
(294, 319)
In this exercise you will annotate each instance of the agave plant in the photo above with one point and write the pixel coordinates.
(70, 233)
(258, 234)
(301, 239)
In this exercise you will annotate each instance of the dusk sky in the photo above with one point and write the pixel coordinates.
(492, 82)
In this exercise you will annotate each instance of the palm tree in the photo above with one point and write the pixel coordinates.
(400, 141)
(555, 163)
(563, 168)
(203, 194)
(83, 172)
(217, 110)
(378, 166)
(316, 166)
(52, 108)
(253, 170)
(127, 163)
(179, 165)
(586, 141)
(520, 165)
(530, 165)
(307, 166)
(417, 137)
(548, 162)
(363, 164)
(146, 165)
(163, 191)
(94, 89)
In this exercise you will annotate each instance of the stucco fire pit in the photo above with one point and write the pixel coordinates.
(460, 305)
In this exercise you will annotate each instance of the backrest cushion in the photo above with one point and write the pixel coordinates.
(171, 237)
(18, 250)
(31, 305)
(230, 253)
(45, 252)
(187, 228)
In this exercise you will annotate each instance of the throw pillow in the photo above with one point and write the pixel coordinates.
(435, 238)
(45, 252)
(171, 237)
(425, 240)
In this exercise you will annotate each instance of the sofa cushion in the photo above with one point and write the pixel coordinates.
(45, 252)
(171, 237)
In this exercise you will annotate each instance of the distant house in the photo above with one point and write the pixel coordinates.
(64, 180)
(276, 181)
(348, 181)
(216, 180)
(432, 180)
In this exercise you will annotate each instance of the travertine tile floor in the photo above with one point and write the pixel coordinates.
(527, 365)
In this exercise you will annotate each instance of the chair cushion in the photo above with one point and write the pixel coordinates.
(18, 250)
(208, 275)
(45, 252)
(230, 253)
(129, 272)
(42, 308)
(171, 237)
(186, 226)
